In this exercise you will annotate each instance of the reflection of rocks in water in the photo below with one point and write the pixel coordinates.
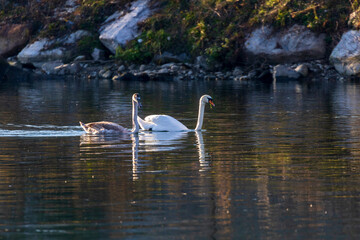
(11, 73)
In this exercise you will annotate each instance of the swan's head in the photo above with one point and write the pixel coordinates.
(136, 98)
(207, 99)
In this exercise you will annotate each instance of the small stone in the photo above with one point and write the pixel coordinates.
(142, 68)
(107, 74)
(116, 77)
(284, 72)
(132, 67)
(237, 71)
(302, 69)
(80, 58)
(121, 68)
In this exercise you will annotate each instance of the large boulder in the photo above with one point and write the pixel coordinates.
(119, 28)
(13, 37)
(292, 45)
(46, 50)
(346, 55)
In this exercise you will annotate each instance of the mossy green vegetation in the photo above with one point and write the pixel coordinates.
(214, 28)
(217, 28)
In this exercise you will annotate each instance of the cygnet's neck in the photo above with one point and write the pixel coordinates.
(200, 116)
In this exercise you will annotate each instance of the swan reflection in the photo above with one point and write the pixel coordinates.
(204, 163)
(142, 142)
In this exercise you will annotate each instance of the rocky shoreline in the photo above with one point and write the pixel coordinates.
(269, 54)
(310, 71)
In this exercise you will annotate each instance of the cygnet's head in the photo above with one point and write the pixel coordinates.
(207, 99)
(136, 98)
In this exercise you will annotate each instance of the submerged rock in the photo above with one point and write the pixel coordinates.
(293, 45)
(119, 29)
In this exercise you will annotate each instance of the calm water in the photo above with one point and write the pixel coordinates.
(278, 161)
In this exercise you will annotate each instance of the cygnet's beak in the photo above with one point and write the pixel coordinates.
(139, 104)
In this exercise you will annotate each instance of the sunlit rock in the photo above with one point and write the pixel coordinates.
(354, 19)
(302, 69)
(292, 45)
(346, 55)
(46, 50)
(120, 28)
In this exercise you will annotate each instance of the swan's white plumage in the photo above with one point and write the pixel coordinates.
(161, 123)
(168, 123)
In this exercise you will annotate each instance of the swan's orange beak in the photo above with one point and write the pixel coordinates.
(212, 104)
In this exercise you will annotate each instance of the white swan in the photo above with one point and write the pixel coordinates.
(110, 127)
(168, 123)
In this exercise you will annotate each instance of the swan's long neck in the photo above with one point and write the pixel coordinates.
(135, 123)
(200, 116)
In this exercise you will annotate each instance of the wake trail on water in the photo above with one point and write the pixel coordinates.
(26, 130)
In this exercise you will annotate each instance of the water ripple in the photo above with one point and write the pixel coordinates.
(25, 130)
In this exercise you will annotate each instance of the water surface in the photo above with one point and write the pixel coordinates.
(278, 161)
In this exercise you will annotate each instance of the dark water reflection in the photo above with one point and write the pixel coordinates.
(276, 161)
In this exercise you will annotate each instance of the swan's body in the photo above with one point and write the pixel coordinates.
(104, 127)
(161, 123)
(168, 123)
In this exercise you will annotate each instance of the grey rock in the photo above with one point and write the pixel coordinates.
(105, 73)
(119, 28)
(50, 67)
(98, 54)
(80, 58)
(121, 68)
(201, 62)
(74, 37)
(293, 45)
(163, 71)
(143, 67)
(46, 50)
(237, 71)
(66, 69)
(282, 72)
(346, 55)
(167, 57)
